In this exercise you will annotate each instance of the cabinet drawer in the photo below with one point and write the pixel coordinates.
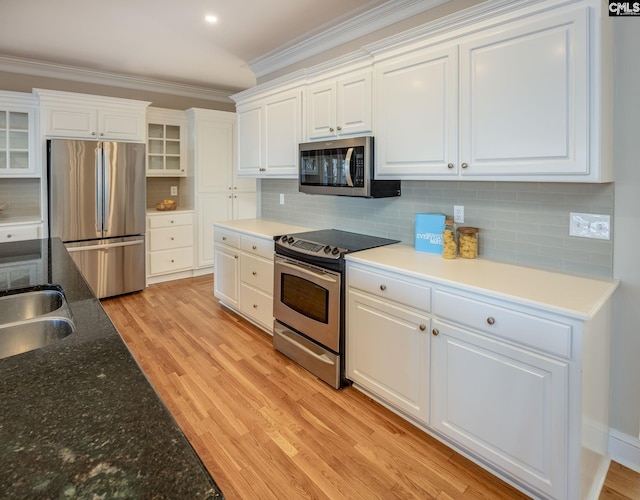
(176, 219)
(19, 233)
(533, 331)
(257, 272)
(257, 305)
(257, 246)
(406, 292)
(226, 237)
(167, 261)
(165, 238)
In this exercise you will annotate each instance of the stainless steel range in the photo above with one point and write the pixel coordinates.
(308, 299)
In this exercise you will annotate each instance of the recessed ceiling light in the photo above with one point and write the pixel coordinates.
(211, 19)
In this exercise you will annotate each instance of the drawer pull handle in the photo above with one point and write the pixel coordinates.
(422, 327)
(435, 332)
(235, 256)
(254, 273)
(255, 306)
(9, 235)
(224, 238)
(383, 287)
(172, 238)
(172, 261)
(254, 247)
(171, 222)
(490, 320)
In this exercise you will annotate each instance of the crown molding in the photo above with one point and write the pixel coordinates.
(361, 25)
(76, 74)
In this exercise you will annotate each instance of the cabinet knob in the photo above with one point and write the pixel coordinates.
(490, 320)
(255, 306)
(235, 187)
(450, 165)
(235, 256)
(254, 273)
(262, 169)
(224, 238)
(330, 129)
(254, 247)
(435, 331)
(9, 235)
(172, 261)
(339, 128)
(101, 134)
(383, 287)
(172, 238)
(229, 187)
(171, 222)
(423, 327)
(464, 165)
(93, 133)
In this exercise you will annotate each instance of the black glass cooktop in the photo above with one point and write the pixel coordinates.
(351, 242)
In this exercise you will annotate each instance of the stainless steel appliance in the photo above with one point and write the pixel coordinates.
(308, 299)
(342, 167)
(97, 206)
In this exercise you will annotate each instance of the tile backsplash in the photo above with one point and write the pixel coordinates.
(521, 223)
(22, 197)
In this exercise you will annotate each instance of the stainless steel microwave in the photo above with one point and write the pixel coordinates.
(342, 167)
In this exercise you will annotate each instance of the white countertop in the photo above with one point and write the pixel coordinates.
(576, 296)
(262, 227)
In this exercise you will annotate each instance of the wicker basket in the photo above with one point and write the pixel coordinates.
(162, 206)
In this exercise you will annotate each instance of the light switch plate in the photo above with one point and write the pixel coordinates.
(590, 226)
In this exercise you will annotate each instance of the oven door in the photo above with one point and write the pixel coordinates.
(307, 299)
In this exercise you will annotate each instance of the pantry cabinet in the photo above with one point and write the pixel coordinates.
(526, 111)
(83, 116)
(340, 107)
(220, 194)
(269, 131)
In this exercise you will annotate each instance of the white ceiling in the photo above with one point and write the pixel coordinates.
(168, 40)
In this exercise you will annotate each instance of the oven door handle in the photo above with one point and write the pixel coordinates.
(322, 276)
(320, 357)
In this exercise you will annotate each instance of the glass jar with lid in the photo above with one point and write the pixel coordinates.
(468, 242)
(449, 245)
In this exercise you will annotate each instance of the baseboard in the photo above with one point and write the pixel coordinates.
(624, 449)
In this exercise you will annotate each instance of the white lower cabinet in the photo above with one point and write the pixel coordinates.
(243, 275)
(169, 243)
(503, 403)
(520, 388)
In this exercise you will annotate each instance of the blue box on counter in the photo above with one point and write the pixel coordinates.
(428, 233)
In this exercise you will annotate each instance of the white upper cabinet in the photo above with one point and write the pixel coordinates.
(166, 143)
(17, 135)
(81, 116)
(417, 114)
(515, 97)
(269, 131)
(340, 107)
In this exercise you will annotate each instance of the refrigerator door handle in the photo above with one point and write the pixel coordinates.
(104, 246)
(99, 184)
(107, 188)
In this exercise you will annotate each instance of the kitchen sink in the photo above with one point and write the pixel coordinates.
(32, 319)
(26, 336)
(27, 305)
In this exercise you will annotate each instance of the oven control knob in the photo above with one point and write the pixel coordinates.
(290, 240)
(283, 237)
(327, 249)
(335, 251)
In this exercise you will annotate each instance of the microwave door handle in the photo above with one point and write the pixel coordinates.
(308, 271)
(347, 162)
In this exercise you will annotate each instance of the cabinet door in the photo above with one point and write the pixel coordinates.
(504, 403)
(72, 121)
(388, 352)
(244, 205)
(250, 141)
(417, 115)
(17, 142)
(321, 110)
(120, 125)
(283, 130)
(226, 278)
(215, 155)
(166, 148)
(524, 99)
(212, 208)
(354, 104)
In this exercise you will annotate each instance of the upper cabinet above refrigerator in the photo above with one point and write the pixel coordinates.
(81, 116)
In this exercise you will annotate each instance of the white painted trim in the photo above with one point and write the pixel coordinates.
(624, 449)
(76, 74)
(352, 28)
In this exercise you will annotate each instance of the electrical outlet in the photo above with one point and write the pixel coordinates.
(458, 214)
(281, 198)
(174, 190)
(590, 226)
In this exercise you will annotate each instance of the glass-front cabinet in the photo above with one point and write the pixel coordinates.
(166, 151)
(17, 137)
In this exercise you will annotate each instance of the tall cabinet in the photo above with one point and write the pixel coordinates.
(219, 193)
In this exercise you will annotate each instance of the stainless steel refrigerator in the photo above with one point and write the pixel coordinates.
(97, 203)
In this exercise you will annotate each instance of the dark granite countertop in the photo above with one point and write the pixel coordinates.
(78, 418)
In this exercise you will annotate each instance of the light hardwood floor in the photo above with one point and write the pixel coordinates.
(265, 428)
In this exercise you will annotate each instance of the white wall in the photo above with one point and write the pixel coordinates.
(625, 352)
